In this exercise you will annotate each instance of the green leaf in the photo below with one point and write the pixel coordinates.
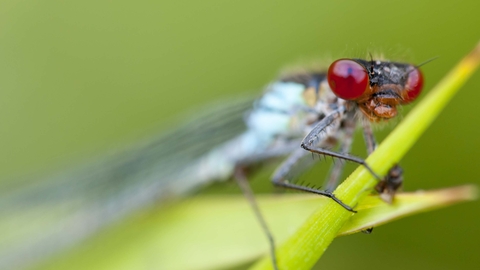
(373, 211)
(220, 231)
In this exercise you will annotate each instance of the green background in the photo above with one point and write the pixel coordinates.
(79, 78)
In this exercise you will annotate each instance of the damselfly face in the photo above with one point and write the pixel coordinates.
(377, 87)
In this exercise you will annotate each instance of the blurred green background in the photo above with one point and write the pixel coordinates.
(79, 78)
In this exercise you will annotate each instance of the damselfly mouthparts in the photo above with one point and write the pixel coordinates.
(297, 115)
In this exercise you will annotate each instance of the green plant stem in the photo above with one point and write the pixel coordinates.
(306, 246)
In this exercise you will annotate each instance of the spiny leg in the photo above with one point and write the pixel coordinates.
(279, 178)
(310, 143)
(247, 191)
(391, 184)
(314, 137)
(368, 136)
(393, 181)
(345, 145)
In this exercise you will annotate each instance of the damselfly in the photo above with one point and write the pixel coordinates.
(300, 114)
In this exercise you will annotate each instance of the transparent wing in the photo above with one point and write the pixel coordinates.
(44, 216)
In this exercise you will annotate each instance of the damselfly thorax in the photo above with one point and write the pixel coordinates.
(314, 110)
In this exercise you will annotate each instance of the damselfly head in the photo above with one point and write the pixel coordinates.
(377, 87)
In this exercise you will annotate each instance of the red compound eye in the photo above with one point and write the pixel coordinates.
(347, 79)
(414, 85)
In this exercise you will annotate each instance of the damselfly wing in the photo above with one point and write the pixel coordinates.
(44, 215)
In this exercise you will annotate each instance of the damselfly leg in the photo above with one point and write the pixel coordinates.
(242, 181)
(317, 135)
(391, 184)
(345, 145)
(393, 181)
